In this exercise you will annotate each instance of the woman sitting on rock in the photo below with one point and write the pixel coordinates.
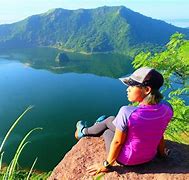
(135, 135)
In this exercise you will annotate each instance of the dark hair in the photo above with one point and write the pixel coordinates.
(154, 97)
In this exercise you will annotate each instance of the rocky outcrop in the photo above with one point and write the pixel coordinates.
(62, 58)
(91, 150)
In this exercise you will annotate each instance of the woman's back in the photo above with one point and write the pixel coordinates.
(145, 127)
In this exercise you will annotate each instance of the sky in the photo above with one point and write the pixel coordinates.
(173, 11)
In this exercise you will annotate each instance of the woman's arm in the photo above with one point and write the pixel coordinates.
(162, 150)
(161, 147)
(116, 144)
(115, 147)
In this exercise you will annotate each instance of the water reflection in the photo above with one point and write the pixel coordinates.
(112, 65)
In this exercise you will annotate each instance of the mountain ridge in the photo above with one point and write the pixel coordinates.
(103, 29)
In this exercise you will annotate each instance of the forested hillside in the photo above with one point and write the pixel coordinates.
(104, 29)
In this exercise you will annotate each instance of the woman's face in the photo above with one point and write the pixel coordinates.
(136, 94)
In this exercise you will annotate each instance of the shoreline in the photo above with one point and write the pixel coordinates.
(83, 52)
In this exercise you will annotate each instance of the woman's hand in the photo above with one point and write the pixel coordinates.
(96, 169)
(115, 147)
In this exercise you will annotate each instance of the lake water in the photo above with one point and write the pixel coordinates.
(84, 88)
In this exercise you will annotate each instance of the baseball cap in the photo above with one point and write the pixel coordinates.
(144, 76)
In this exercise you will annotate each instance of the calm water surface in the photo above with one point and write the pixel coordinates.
(84, 88)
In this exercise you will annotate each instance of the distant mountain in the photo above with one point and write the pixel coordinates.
(104, 29)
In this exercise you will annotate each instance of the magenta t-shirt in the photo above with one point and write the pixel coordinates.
(144, 125)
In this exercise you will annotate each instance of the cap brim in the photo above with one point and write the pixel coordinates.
(125, 80)
(129, 81)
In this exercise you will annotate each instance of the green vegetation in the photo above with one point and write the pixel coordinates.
(104, 29)
(12, 171)
(173, 62)
(23, 174)
(99, 176)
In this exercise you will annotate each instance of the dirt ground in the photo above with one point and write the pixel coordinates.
(89, 151)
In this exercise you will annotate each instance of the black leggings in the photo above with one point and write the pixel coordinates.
(105, 128)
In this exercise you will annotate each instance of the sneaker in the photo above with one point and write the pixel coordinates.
(80, 126)
(100, 119)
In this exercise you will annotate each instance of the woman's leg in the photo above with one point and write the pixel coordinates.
(108, 136)
(98, 129)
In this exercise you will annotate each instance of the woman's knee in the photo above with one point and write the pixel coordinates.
(110, 118)
(109, 123)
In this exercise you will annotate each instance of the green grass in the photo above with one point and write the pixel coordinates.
(22, 175)
(178, 131)
(12, 170)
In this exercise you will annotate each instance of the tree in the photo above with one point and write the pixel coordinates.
(173, 62)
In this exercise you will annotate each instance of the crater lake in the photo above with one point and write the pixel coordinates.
(83, 88)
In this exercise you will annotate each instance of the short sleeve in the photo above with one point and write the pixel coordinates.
(120, 120)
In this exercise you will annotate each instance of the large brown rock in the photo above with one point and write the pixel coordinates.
(91, 150)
